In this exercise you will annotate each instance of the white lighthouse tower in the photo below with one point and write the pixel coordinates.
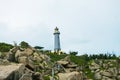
(56, 40)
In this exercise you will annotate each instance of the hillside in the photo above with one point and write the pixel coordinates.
(23, 62)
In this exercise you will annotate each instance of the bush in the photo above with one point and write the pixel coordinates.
(73, 53)
(80, 60)
(24, 44)
(38, 47)
(56, 57)
(46, 77)
(4, 47)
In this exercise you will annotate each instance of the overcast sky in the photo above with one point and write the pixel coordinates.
(87, 26)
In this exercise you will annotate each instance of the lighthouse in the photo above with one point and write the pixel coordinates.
(56, 40)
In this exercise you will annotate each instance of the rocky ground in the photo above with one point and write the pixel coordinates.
(105, 69)
(31, 64)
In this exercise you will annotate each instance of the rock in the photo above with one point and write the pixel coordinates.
(19, 54)
(43, 56)
(37, 59)
(106, 78)
(67, 58)
(11, 56)
(14, 49)
(41, 66)
(35, 54)
(23, 59)
(11, 72)
(71, 66)
(94, 66)
(118, 77)
(63, 62)
(97, 76)
(70, 76)
(4, 62)
(25, 52)
(97, 70)
(31, 64)
(28, 51)
(113, 70)
(36, 76)
(107, 74)
(26, 77)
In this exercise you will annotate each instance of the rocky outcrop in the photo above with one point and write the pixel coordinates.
(30, 64)
(67, 70)
(70, 76)
(32, 60)
(29, 57)
(26, 77)
(4, 62)
(11, 72)
(105, 69)
(63, 62)
(15, 71)
(107, 74)
(67, 64)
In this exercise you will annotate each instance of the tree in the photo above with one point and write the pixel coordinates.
(73, 53)
(24, 44)
(38, 47)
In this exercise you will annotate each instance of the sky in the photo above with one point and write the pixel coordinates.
(86, 26)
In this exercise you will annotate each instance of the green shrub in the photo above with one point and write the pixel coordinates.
(73, 53)
(89, 74)
(56, 57)
(38, 47)
(24, 44)
(4, 47)
(80, 60)
(46, 77)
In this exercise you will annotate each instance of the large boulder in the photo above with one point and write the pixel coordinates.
(28, 51)
(37, 58)
(97, 76)
(94, 66)
(23, 59)
(107, 74)
(118, 77)
(4, 62)
(67, 58)
(37, 76)
(11, 56)
(25, 52)
(11, 72)
(70, 76)
(44, 57)
(26, 77)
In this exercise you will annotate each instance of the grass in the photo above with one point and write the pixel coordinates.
(55, 57)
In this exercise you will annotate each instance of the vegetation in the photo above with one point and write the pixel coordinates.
(38, 47)
(80, 60)
(88, 72)
(83, 61)
(102, 56)
(73, 53)
(4, 47)
(56, 57)
(24, 44)
(46, 77)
